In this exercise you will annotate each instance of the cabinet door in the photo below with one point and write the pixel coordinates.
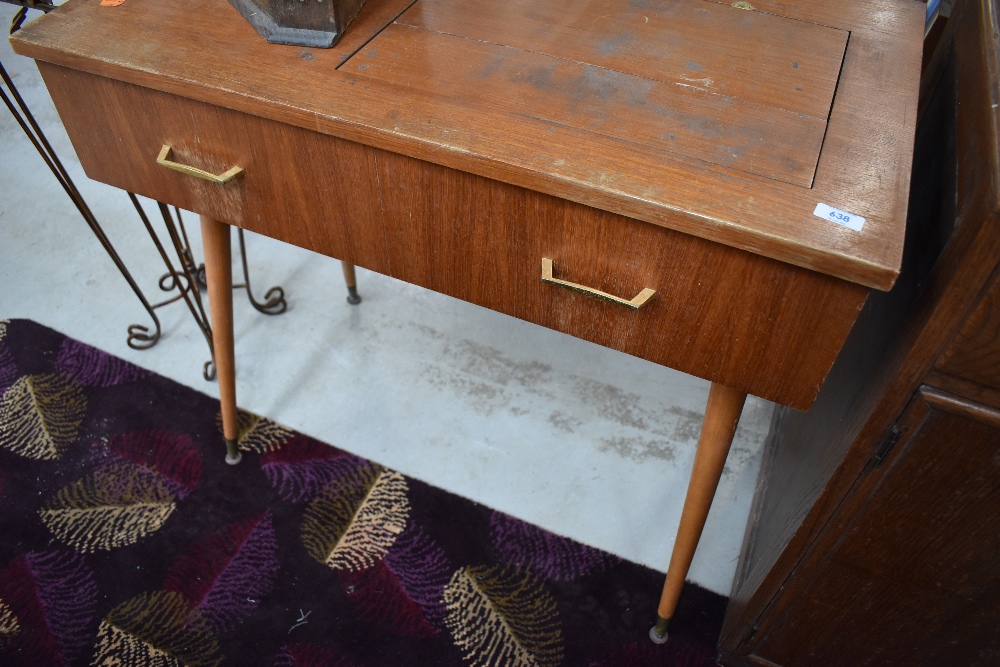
(914, 577)
(974, 353)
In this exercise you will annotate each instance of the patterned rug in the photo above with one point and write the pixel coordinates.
(126, 540)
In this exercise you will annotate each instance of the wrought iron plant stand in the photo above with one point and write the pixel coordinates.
(188, 280)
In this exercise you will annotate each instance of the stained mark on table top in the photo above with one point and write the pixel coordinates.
(593, 87)
(615, 44)
(592, 82)
(662, 7)
(492, 67)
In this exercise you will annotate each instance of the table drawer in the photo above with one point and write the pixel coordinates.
(766, 327)
(307, 188)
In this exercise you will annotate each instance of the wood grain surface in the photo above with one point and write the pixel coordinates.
(974, 353)
(685, 119)
(753, 56)
(219, 276)
(912, 578)
(319, 190)
(863, 166)
(754, 324)
(722, 416)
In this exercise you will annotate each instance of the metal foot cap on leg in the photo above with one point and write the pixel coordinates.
(233, 454)
(352, 295)
(658, 633)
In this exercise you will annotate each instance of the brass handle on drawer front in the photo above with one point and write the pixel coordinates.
(163, 159)
(635, 304)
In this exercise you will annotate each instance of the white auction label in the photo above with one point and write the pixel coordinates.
(855, 222)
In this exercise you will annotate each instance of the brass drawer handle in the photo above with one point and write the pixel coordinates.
(163, 159)
(635, 304)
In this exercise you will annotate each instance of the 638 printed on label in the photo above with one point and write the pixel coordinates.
(855, 222)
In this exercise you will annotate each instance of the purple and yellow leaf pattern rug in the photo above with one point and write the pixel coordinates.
(126, 540)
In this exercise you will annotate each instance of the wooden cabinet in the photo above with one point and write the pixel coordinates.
(912, 577)
(873, 539)
(974, 354)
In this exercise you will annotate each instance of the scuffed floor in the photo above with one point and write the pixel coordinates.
(580, 440)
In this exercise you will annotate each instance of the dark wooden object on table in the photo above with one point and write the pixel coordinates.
(455, 145)
(303, 23)
(873, 537)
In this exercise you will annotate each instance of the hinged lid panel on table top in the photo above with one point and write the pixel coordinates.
(742, 89)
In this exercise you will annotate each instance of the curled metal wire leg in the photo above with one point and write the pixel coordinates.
(274, 300)
(197, 270)
(187, 281)
(193, 301)
(140, 337)
(181, 281)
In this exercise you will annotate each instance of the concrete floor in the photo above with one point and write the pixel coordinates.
(578, 439)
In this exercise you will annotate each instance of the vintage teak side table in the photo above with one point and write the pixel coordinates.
(735, 175)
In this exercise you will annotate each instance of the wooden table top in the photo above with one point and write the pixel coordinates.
(725, 123)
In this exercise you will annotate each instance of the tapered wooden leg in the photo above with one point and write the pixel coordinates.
(219, 275)
(722, 414)
(352, 283)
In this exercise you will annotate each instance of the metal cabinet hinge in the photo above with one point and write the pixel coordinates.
(888, 442)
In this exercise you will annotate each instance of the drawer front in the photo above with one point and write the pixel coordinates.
(310, 189)
(722, 314)
(726, 315)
